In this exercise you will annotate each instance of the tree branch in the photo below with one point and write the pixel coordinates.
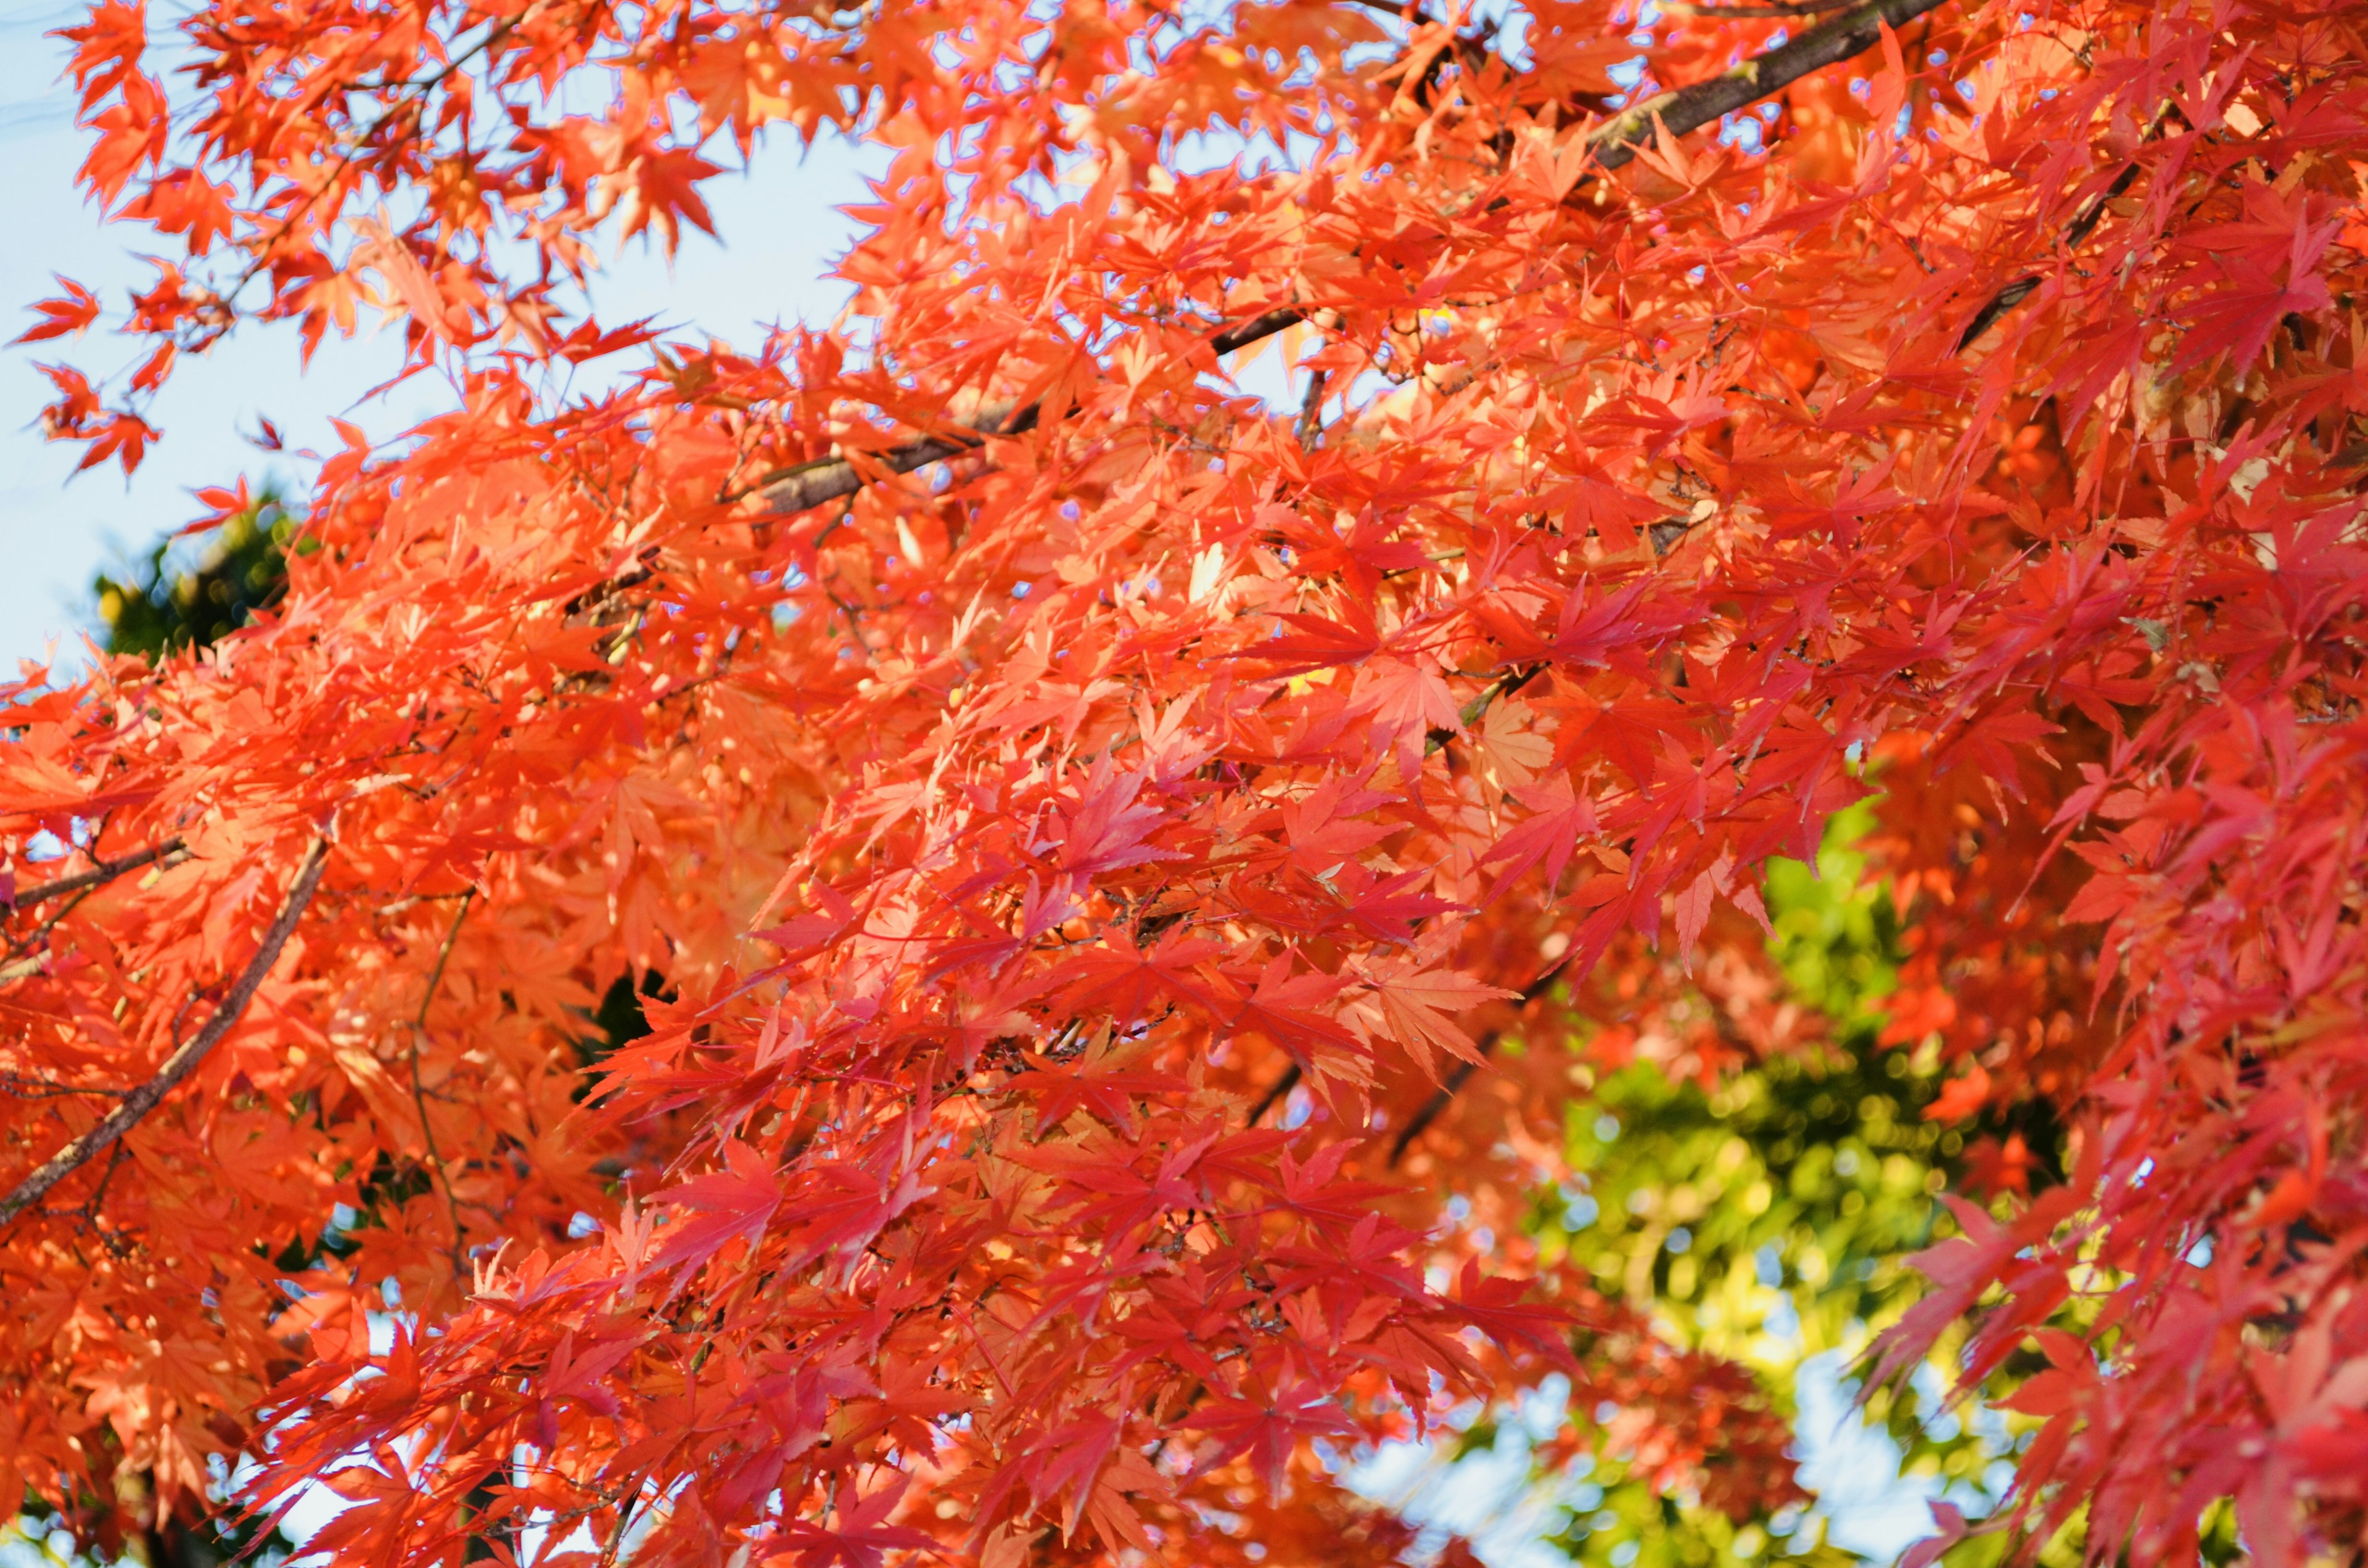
(1282, 1085)
(834, 478)
(1440, 1099)
(1689, 109)
(1421, 1121)
(101, 871)
(1746, 12)
(1682, 111)
(178, 1066)
(2022, 289)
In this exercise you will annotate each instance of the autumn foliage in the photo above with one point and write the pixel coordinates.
(1078, 825)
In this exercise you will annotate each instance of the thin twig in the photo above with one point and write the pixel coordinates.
(626, 1505)
(89, 1211)
(19, 1086)
(38, 934)
(1614, 144)
(419, 1095)
(419, 91)
(178, 1066)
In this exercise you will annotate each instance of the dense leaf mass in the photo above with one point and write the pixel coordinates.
(1087, 818)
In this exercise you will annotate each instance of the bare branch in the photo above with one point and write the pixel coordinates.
(1311, 411)
(1682, 111)
(101, 871)
(178, 1066)
(1258, 329)
(1689, 109)
(1774, 8)
(834, 479)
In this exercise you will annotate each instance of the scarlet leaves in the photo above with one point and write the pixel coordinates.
(734, 1204)
(72, 313)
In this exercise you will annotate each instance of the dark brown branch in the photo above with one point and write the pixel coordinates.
(1430, 1111)
(1615, 143)
(178, 1066)
(1311, 411)
(1705, 103)
(1258, 329)
(101, 871)
(2022, 289)
(1282, 1085)
(1439, 1098)
(1745, 13)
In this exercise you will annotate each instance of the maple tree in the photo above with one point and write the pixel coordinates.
(1088, 840)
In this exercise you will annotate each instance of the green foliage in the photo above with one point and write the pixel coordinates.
(222, 1537)
(1664, 1531)
(168, 603)
(1800, 1181)
(620, 1017)
(1769, 1220)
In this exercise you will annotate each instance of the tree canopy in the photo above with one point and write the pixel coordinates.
(1154, 910)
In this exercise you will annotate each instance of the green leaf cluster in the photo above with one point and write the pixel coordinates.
(172, 599)
(1768, 1218)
